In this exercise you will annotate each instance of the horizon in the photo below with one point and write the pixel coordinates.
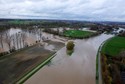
(59, 20)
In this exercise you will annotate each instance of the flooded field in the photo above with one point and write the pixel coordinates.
(15, 65)
(79, 68)
(19, 38)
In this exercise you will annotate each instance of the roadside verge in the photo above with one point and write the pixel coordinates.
(98, 63)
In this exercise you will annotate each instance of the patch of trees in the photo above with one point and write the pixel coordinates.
(102, 28)
(113, 68)
(13, 42)
(51, 31)
(39, 23)
(47, 24)
(88, 36)
(122, 34)
(3, 54)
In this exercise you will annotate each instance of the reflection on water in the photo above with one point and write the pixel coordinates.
(14, 31)
(21, 38)
(76, 69)
(49, 47)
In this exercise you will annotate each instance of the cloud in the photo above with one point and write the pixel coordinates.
(96, 10)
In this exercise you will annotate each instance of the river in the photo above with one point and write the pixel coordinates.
(79, 68)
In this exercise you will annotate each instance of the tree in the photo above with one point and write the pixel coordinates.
(13, 40)
(40, 34)
(17, 41)
(8, 39)
(70, 45)
(20, 39)
(1, 39)
(23, 38)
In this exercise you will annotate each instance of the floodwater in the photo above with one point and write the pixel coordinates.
(14, 31)
(79, 68)
(25, 60)
(30, 38)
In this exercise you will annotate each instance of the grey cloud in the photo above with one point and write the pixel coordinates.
(112, 10)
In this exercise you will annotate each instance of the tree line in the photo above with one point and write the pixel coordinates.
(18, 40)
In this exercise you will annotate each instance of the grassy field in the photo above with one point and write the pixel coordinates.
(114, 46)
(77, 33)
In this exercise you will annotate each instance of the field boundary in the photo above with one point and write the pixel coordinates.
(98, 63)
(33, 71)
(19, 50)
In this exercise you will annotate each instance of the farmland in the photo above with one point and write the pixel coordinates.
(114, 46)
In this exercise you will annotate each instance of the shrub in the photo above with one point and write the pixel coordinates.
(12, 50)
(70, 45)
(3, 53)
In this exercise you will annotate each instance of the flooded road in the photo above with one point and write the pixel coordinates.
(79, 68)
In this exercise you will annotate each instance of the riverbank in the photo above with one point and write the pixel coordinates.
(98, 63)
(112, 56)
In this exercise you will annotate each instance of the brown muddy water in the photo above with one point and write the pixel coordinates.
(79, 68)
(17, 64)
(30, 37)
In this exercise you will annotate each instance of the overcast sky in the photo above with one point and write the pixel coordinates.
(97, 10)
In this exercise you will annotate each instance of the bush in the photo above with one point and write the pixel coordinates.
(122, 34)
(70, 45)
(12, 50)
(3, 53)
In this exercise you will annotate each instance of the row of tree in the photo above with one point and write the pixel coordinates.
(13, 42)
(113, 68)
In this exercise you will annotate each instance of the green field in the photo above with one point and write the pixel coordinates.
(114, 46)
(77, 33)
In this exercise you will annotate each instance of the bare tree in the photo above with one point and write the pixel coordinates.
(1, 39)
(17, 40)
(13, 41)
(23, 39)
(58, 31)
(20, 39)
(8, 39)
(40, 34)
